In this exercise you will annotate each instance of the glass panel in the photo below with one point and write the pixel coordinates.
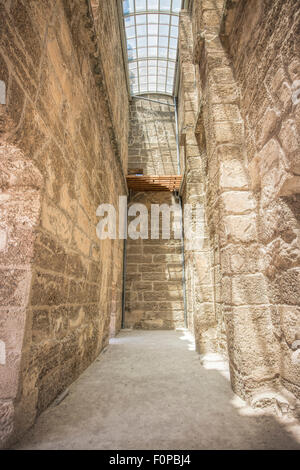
(128, 6)
(176, 6)
(164, 19)
(131, 44)
(130, 32)
(164, 30)
(162, 52)
(175, 20)
(163, 42)
(165, 5)
(174, 32)
(142, 52)
(142, 41)
(152, 51)
(140, 5)
(129, 21)
(141, 19)
(131, 54)
(173, 43)
(134, 73)
(152, 40)
(153, 29)
(152, 18)
(153, 4)
(141, 30)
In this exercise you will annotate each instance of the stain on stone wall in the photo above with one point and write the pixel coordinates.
(59, 160)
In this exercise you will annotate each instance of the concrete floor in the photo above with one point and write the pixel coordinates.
(150, 391)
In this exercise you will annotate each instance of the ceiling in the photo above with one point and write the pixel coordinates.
(151, 28)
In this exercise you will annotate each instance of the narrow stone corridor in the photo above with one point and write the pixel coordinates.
(149, 391)
(149, 224)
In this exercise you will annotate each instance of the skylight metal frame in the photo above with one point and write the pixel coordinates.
(165, 60)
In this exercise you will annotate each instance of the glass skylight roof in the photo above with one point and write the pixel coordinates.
(152, 35)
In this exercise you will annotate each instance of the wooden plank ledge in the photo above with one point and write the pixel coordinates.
(154, 183)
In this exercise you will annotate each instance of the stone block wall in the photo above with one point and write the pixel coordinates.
(152, 137)
(231, 213)
(263, 41)
(114, 66)
(154, 290)
(59, 159)
(244, 120)
(205, 318)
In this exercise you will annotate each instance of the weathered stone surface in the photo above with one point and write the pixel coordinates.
(248, 114)
(6, 421)
(63, 152)
(154, 277)
(268, 107)
(64, 149)
(233, 175)
(152, 140)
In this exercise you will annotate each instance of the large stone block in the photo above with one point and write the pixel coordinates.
(49, 289)
(238, 228)
(233, 175)
(290, 141)
(290, 323)
(242, 259)
(252, 347)
(249, 289)
(226, 112)
(285, 287)
(14, 287)
(238, 202)
(229, 132)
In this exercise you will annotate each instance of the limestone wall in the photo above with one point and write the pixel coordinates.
(263, 41)
(114, 69)
(205, 318)
(154, 291)
(245, 126)
(59, 160)
(152, 138)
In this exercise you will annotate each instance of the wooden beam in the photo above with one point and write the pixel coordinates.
(154, 183)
